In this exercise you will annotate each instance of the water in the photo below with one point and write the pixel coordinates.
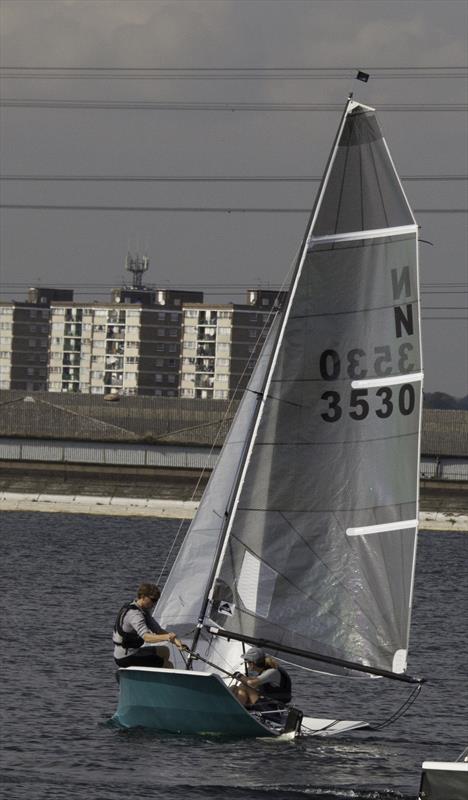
(64, 577)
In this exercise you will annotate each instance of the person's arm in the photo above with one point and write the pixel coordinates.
(157, 638)
(267, 676)
(152, 634)
(161, 635)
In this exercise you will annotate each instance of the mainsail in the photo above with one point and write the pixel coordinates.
(317, 550)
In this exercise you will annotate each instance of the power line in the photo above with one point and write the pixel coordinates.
(183, 105)
(228, 73)
(204, 178)
(192, 209)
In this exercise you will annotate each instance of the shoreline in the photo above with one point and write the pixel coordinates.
(166, 509)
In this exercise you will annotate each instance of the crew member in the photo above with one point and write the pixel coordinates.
(135, 626)
(265, 681)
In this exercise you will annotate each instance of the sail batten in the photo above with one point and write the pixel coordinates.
(362, 234)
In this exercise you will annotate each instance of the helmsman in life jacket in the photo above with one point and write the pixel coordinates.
(265, 683)
(135, 626)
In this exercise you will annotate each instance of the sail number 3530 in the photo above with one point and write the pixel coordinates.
(402, 397)
(359, 405)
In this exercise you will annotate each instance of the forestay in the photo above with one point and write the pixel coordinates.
(320, 547)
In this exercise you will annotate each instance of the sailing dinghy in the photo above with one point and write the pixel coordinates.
(304, 542)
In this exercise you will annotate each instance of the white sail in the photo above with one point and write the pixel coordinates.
(320, 546)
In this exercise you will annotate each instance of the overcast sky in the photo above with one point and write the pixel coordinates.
(416, 53)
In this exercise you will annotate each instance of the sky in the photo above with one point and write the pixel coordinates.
(224, 89)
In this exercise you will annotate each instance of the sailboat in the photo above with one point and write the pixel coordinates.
(304, 542)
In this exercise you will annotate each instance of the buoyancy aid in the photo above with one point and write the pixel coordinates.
(128, 640)
(283, 692)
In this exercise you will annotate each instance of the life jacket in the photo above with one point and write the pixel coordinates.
(128, 640)
(283, 692)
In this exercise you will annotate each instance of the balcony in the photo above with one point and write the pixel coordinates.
(72, 345)
(73, 314)
(115, 362)
(206, 334)
(72, 329)
(205, 365)
(69, 359)
(205, 350)
(113, 379)
(116, 316)
(71, 374)
(116, 331)
(204, 381)
(115, 348)
(207, 318)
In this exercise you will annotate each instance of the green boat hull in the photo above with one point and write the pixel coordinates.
(183, 702)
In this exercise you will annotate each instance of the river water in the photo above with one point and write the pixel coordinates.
(63, 579)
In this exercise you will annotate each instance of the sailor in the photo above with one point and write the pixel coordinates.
(266, 683)
(135, 626)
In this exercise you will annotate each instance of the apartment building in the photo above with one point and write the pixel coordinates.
(221, 343)
(129, 347)
(24, 339)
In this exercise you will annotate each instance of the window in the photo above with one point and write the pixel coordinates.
(187, 393)
(172, 348)
(221, 394)
(171, 378)
(191, 312)
(160, 347)
(158, 377)
(174, 316)
(161, 332)
(173, 331)
(32, 343)
(162, 315)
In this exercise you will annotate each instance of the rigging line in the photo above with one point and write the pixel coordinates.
(400, 711)
(324, 510)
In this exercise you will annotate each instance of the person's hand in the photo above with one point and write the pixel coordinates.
(172, 636)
